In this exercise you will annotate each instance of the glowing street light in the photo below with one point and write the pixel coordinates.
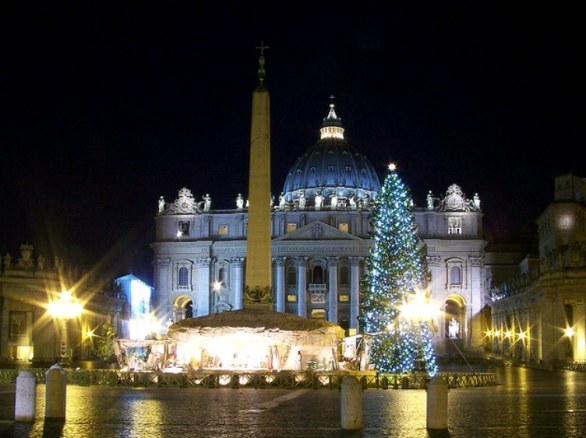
(64, 309)
(569, 332)
(418, 308)
(217, 287)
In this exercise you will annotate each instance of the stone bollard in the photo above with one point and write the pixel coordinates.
(437, 404)
(26, 397)
(351, 403)
(56, 382)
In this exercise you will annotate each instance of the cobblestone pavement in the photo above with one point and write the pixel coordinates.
(527, 403)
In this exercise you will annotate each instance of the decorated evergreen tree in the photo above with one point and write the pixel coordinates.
(396, 271)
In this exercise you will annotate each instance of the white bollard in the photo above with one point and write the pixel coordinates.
(437, 404)
(26, 397)
(351, 403)
(56, 381)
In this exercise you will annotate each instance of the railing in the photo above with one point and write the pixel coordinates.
(282, 379)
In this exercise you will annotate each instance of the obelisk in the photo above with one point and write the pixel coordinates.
(258, 290)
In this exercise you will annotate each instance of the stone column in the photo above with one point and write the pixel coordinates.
(333, 289)
(552, 324)
(202, 294)
(354, 291)
(560, 348)
(474, 333)
(237, 280)
(280, 283)
(301, 286)
(163, 287)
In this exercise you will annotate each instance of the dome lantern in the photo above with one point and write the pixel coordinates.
(339, 175)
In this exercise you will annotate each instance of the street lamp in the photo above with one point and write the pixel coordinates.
(64, 309)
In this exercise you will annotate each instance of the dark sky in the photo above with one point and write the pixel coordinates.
(105, 106)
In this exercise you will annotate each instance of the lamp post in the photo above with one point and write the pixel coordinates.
(64, 309)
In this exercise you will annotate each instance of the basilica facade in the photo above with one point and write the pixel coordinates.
(320, 231)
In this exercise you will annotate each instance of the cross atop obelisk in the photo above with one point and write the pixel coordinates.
(261, 62)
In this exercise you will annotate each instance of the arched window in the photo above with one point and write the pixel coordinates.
(343, 276)
(318, 275)
(183, 277)
(291, 276)
(455, 277)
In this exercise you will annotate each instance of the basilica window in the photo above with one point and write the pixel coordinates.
(291, 227)
(183, 229)
(454, 225)
(455, 275)
(318, 275)
(343, 276)
(223, 230)
(182, 278)
(291, 276)
(343, 226)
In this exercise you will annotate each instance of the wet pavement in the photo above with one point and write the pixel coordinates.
(527, 403)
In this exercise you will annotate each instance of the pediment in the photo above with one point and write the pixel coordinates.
(317, 230)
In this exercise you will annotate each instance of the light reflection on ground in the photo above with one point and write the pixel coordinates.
(528, 403)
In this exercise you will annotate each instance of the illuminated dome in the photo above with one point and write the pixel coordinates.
(331, 168)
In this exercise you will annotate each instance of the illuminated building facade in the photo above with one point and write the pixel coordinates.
(30, 287)
(538, 314)
(320, 231)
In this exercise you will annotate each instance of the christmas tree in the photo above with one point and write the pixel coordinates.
(396, 270)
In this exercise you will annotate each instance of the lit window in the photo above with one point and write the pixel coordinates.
(564, 222)
(291, 227)
(223, 230)
(183, 229)
(343, 226)
(454, 225)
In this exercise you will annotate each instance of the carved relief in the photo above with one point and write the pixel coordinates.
(184, 204)
(455, 201)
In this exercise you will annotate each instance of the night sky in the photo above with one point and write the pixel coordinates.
(105, 106)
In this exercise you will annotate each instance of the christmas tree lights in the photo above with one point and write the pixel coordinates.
(392, 288)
